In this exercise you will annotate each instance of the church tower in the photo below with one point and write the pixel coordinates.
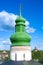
(20, 47)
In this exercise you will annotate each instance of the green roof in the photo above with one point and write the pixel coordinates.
(20, 19)
(20, 37)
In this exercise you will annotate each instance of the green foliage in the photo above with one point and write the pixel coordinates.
(7, 58)
(41, 60)
(37, 55)
(41, 56)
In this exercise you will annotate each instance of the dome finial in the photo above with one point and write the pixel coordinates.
(20, 9)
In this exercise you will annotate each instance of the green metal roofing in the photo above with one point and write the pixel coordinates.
(20, 37)
(20, 19)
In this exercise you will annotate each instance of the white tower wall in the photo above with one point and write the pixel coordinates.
(20, 53)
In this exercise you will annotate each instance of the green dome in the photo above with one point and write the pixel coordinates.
(20, 39)
(20, 19)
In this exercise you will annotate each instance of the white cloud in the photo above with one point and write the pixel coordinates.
(7, 20)
(27, 23)
(30, 29)
(5, 44)
(7, 41)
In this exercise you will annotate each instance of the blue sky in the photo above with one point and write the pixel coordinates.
(32, 11)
